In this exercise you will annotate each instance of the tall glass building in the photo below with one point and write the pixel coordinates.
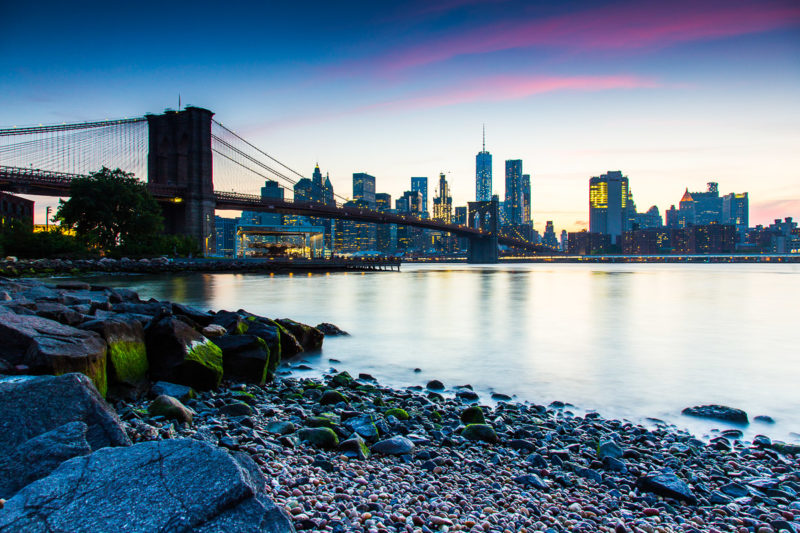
(483, 174)
(364, 188)
(420, 185)
(609, 205)
(514, 197)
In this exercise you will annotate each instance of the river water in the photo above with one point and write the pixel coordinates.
(629, 341)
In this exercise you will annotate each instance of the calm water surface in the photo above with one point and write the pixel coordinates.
(630, 341)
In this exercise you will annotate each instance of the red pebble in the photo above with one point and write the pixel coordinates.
(649, 511)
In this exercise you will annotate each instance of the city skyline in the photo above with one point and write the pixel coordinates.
(673, 95)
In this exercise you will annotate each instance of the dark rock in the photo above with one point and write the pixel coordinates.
(236, 409)
(126, 355)
(363, 425)
(355, 447)
(330, 330)
(73, 286)
(32, 405)
(281, 346)
(609, 448)
(234, 323)
(124, 295)
(148, 308)
(170, 408)
(393, 446)
(497, 396)
(531, 480)
(280, 427)
(521, 445)
(472, 415)
(320, 437)
(666, 483)
(58, 312)
(435, 384)
(467, 395)
(734, 490)
(244, 357)
(169, 485)
(37, 457)
(200, 317)
(481, 432)
(332, 397)
(764, 419)
(45, 346)
(179, 354)
(717, 412)
(181, 392)
(366, 377)
(310, 338)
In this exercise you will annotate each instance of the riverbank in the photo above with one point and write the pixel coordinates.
(163, 265)
(340, 453)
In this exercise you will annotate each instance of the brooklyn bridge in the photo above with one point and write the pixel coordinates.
(193, 166)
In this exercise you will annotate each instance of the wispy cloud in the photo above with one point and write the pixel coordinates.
(629, 26)
(501, 88)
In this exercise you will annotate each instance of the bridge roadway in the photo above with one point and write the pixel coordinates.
(47, 183)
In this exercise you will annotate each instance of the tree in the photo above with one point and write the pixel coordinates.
(112, 210)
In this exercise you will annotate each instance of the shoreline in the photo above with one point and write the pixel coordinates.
(342, 453)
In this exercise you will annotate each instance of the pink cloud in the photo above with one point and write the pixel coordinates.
(632, 26)
(766, 212)
(502, 88)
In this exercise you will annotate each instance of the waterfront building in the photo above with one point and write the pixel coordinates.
(708, 205)
(420, 184)
(564, 243)
(386, 234)
(225, 229)
(15, 208)
(609, 211)
(588, 243)
(698, 239)
(780, 237)
(408, 237)
(358, 236)
(513, 199)
(483, 174)
(650, 219)
(364, 188)
(736, 211)
(549, 238)
(443, 203)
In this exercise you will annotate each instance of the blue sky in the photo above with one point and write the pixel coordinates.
(674, 94)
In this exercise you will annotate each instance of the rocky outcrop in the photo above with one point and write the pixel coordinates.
(179, 354)
(32, 405)
(40, 455)
(39, 345)
(171, 485)
(244, 357)
(310, 338)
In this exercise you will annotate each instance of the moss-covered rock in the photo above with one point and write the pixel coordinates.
(400, 414)
(321, 437)
(480, 432)
(355, 447)
(179, 354)
(327, 420)
(332, 397)
(244, 357)
(473, 415)
(127, 355)
(309, 337)
(342, 379)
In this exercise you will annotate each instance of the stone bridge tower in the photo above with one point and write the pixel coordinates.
(483, 215)
(180, 156)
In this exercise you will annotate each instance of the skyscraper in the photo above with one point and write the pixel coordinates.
(736, 211)
(513, 202)
(364, 188)
(443, 203)
(483, 174)
(317, 192)
(420, 185)
(527, 210)
(608, 205)
(549, 237)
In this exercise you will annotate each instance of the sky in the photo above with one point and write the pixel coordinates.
(674, 94)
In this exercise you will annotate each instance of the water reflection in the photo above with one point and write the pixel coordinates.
(628, 340)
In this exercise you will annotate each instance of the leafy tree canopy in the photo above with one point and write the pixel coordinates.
(111, 209)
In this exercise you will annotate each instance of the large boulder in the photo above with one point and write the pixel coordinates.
(244, 357)
(32, 405)
(169, 485)
(280, 343)
(179, 354)
(127, 355)
(37, 457)
(201, 317)
(45, 346)
(309, 337)
(58, 312)
(717, 412)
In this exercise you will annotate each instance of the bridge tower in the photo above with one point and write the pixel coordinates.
(180, 156)
(483, 215)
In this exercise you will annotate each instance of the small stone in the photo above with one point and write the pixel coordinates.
(393, 446)
(472, 415)
(332, 397)
(435, 384)
(214, 330)
(170, 408)
(236, 409)
(481, 432)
